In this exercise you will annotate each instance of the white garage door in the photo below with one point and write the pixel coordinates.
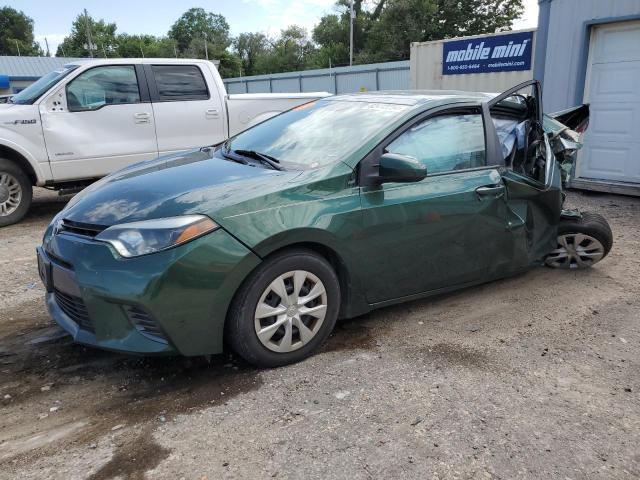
(612, 142)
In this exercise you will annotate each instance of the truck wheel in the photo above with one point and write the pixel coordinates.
(582, 242)
(284, 310)
(15, 193)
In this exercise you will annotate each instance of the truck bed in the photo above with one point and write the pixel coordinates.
(247, 109)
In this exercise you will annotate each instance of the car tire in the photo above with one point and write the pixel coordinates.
(298, 333)
(582, 242)
(15, 193)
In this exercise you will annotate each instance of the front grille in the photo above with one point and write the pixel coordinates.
(145, 323)
(75, 309)
(78, 228)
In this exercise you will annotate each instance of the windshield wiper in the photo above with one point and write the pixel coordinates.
(234, 158)
(262, 157)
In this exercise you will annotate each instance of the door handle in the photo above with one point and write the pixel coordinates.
(212, 113)
(490, 190)
(142, 117)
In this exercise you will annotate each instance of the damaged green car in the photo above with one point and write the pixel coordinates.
(327, 211)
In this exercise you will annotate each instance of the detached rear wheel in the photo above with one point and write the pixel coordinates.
(15, 193)
(285, 310)
(582, 242)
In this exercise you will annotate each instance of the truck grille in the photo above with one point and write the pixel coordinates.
(145, 323)
(75, 309)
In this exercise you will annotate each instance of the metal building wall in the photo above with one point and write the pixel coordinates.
(567, 49)
(426, 70)
(376, 76)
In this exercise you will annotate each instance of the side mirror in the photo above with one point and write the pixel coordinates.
(401, 168)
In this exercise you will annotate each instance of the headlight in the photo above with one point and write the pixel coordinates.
(140, 238)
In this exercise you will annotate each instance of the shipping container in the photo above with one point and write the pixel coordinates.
(427, 67)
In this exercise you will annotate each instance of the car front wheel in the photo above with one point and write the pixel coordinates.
(582, 242)
(285, 310)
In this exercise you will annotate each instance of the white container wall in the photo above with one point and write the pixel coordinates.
(426, 70)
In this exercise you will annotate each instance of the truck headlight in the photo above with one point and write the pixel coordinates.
(149, 236)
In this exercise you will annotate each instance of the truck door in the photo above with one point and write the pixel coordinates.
(99, 121)
(188, 109)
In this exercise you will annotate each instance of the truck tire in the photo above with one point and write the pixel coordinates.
(582, 242)
(16, 192)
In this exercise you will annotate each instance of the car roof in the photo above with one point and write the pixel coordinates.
(414, 97)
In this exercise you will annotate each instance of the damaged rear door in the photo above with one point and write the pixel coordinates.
(531, 175)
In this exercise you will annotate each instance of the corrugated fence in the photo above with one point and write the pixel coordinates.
(374, 76)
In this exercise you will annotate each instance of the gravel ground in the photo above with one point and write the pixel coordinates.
(536, 376)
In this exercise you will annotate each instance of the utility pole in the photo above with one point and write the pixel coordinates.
(175, 50)
(206, 50)
(46, 42)
(351, 17)
(18, 47)
(89, 43)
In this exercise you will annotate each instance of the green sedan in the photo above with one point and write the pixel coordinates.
(327, 211)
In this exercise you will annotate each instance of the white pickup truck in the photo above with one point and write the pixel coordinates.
(93, 117)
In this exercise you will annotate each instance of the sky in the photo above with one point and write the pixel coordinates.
(53, 18)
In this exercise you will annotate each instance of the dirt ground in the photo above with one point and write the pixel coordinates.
(536, 376)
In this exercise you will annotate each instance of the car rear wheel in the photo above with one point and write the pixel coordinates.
(15, 193)
(285, 310)
(582, 242)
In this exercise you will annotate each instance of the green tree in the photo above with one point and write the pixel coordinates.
(332, 33)
(250, 47)
(404, 21)
(385, 30)
(291, 51)
(103, 36)
(196, 23)
(229, 63)
(144, 46)
(332, 36)
(16, 34)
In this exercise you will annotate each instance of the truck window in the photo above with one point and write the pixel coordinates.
(100, 86)
(179, 83)
(35, 90)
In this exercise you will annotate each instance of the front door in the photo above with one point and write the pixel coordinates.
(448, 229)
(532, 178)
(107, 123)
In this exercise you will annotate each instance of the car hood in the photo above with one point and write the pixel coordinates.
(187, 183)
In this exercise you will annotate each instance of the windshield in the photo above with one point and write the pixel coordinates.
(35, 90)
(316, 133)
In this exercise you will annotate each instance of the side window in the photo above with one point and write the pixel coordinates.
(444, 143)
(100, 86)
(180, 82)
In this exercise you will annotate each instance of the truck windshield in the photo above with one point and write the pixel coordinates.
(35, 90)
(317, 133)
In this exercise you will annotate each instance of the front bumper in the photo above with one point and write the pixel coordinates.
(170, 302)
